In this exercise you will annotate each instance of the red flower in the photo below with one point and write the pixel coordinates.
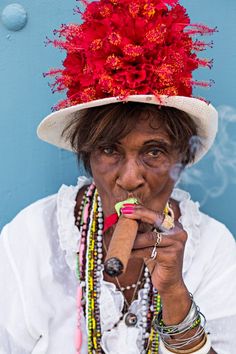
(133, 77)
(129, 47)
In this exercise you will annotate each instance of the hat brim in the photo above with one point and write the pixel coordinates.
(204, 115)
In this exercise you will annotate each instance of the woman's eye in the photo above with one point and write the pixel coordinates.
(108, 150)
(154, 152)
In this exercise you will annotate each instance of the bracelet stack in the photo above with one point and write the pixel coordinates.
(177, 334)
(202, 348)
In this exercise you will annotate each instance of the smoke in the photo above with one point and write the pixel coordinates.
(218, 169)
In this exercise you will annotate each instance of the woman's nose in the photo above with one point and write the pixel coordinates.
(130, 176)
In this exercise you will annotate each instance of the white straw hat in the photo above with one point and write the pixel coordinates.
(204, 115)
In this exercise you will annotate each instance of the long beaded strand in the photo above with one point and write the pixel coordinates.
(90, 220)
(92, 279)
(82, 222)
(153, 341)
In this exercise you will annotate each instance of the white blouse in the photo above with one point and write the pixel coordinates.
(38, 282)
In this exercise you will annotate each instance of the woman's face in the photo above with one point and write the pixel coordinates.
(139, 166)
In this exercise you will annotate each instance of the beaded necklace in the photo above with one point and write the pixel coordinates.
(89, 273)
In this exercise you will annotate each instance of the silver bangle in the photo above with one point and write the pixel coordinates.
(189, 320)
(193, 319)
(203, 350)
(182, 342)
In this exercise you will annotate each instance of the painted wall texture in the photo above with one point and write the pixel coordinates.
(31, 169)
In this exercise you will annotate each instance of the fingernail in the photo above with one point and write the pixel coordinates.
(127, 210)
(128, 205)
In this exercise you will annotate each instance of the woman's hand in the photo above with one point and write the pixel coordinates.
(168, 264)
(167, 272)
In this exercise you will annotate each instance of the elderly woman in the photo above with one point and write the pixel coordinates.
(132, 126)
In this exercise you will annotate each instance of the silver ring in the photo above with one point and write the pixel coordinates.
(158, 241)
(158, 236)
(154, 253)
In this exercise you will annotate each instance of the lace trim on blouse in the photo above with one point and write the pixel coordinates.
(69, 235)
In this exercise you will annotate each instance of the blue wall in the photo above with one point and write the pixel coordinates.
(31, 169)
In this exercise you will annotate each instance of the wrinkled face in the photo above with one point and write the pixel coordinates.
(139, 165)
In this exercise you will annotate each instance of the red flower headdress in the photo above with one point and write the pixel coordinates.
(127, 47)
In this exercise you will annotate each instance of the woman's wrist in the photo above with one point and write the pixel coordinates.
(175, 304)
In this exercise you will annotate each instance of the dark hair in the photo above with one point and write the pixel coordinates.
(95, 126)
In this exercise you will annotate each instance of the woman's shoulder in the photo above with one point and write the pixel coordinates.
(41, 211)
(216, 239)
(32, 218)
(207, 236)
(192, 214)
(47, 221)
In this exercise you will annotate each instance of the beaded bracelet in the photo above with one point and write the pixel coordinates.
(194, 325)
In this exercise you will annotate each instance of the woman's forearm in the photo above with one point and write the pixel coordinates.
(175, 306)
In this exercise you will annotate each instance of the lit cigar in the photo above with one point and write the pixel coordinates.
(122, 242)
